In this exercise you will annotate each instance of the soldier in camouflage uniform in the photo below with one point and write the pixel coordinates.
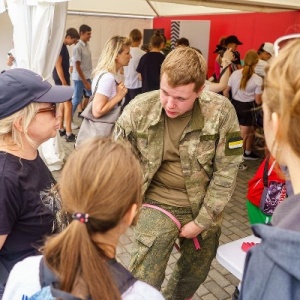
(189, 144)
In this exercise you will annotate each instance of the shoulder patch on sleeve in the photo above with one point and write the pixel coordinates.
(234, 144)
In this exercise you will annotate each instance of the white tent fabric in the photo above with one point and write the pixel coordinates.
(174, 7)
(140, 8)
(38, 30)
(2, 6)
(148, 8)
(38, 34)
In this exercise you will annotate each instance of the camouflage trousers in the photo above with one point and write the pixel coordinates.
(155, 235)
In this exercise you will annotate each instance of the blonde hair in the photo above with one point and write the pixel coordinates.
(282, 94)
(107, 59)
(101, 178)
(9, 134)
(183, 66)
(251, 59)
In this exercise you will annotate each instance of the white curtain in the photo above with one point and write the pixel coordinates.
(38, 31)
(2, 6)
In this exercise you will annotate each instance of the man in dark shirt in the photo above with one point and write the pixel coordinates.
(61, 76)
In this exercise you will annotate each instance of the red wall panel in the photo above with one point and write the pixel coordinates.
(251, 28)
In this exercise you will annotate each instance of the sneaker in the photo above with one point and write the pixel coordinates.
(251, 156)
(70, 138)
(242, 167)
(74, 126)
(62, 132)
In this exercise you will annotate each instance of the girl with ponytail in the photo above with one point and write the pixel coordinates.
(150, 64)
(246, 89)
(100, 188)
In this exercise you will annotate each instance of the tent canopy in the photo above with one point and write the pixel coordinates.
(161, 8)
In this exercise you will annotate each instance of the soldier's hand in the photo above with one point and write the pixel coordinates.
(190, 230)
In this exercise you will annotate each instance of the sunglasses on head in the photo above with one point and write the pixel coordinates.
(282, 41)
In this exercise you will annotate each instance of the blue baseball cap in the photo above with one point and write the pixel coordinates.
(20, 87)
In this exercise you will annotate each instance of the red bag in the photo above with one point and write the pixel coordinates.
(256, 184)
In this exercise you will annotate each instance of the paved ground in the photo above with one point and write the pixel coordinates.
(220, 284)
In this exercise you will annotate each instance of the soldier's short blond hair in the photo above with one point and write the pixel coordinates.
(183, 66)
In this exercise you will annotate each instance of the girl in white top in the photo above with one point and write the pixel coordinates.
(100, 188)
(115, 55)
(246, 89)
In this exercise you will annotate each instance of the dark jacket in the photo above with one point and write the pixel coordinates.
(272, 268)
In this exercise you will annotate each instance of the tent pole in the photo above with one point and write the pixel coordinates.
(155, 11)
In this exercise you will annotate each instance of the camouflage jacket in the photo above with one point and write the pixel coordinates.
(210, 149)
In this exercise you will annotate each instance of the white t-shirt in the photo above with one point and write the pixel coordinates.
(260, 68)
(131, 75)
(24, 281)
(107, 85)
(253, 86)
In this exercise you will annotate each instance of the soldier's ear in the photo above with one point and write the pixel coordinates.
(200, 90)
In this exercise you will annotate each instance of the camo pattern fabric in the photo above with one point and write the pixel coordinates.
(155, 234)
(208, 162)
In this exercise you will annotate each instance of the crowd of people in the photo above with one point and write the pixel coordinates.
(168, 168)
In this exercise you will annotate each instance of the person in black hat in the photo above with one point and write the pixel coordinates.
(233, 42)
(27, 119)
(220, 50)
(224, 58)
